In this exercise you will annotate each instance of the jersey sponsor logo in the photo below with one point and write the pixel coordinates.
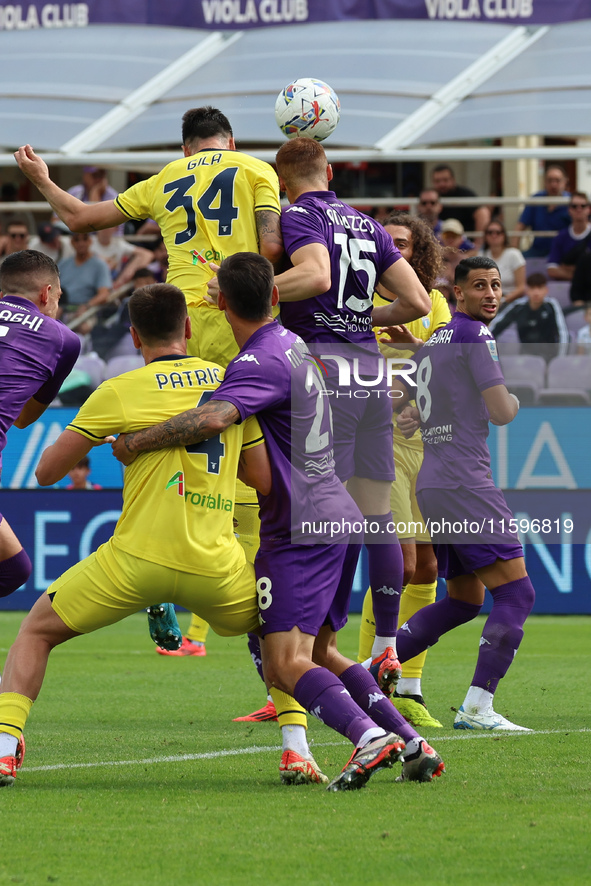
(203, 500)
(484, 330)
(492, 347)
(177, 480)
(247, 358)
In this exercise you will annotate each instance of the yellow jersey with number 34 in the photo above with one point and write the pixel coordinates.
(177, 503)
(205, 205)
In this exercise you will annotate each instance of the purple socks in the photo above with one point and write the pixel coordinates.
(386, 570)
(14, 572)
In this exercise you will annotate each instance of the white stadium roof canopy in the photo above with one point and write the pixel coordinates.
(97, 94)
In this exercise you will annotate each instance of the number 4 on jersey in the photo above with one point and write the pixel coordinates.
(213, 448)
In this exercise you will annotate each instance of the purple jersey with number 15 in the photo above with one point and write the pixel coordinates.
(275, 377)
(360, 252)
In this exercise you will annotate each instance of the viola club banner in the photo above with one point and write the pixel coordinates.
(239, 14)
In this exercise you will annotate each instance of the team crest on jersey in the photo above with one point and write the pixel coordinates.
(492, 347)
(484, 330)
(248, 358)
(426, 322)
(177, 480)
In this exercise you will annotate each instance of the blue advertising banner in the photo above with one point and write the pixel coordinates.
(59, 528)
(240, 14)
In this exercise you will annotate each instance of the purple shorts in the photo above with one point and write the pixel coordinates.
(469, 528)
(362, 427)
(304, 586)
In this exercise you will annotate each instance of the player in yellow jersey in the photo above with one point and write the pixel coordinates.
(415, 241)
(176, 518)
(213, 202)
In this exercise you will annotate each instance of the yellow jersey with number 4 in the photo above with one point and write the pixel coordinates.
(177, 503)
(205, 205)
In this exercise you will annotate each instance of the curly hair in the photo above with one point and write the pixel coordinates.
(427, 255)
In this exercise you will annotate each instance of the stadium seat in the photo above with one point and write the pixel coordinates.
(536, 266)
(569, 382)
(560, 290)
(119, 365)
(508, 341)
(94, 366)
(525, 376)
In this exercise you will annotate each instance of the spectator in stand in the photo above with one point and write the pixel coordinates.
(50, 241)
(509, 260)
(539, 320)
(429, 208)
(159, 263)
(80, 476)
(545, 217)
(17, 238)
(9, 193)
(570, 243)
(85, 278)
(143, 277)
(584, 334)
(123, 258)
(473, 218)
(456, 245)
(94, 187)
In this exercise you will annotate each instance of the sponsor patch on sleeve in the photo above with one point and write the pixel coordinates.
(492, 346)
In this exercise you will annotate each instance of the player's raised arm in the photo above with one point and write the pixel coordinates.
(412, 301)
(192, 426)
(78, 216)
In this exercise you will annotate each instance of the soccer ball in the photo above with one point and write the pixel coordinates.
(309, 108)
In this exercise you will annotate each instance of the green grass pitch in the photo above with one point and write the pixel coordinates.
(136, 774)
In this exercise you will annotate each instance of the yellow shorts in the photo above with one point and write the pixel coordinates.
(247, 529)
(212, 337)
(403, 499)
(111, 584)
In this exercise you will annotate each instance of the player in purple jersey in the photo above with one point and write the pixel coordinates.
(36, 354)
(460, 388)
(338, 256)
(303, 579)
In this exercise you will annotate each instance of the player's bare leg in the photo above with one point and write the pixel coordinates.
(24, 671)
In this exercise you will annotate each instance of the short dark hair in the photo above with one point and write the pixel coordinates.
(83, 463)
(246, 281)
(537, 279)
(443, 167)
(581, 194)
(473, 263)
(300, 159)
(20, 222)
(143, 272)
(22, 272)
(206, 122)
(158, 312)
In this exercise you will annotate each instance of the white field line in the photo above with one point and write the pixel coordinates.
(238, 752)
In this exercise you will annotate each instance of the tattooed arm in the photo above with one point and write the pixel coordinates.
(189, 427)
(269, 234)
